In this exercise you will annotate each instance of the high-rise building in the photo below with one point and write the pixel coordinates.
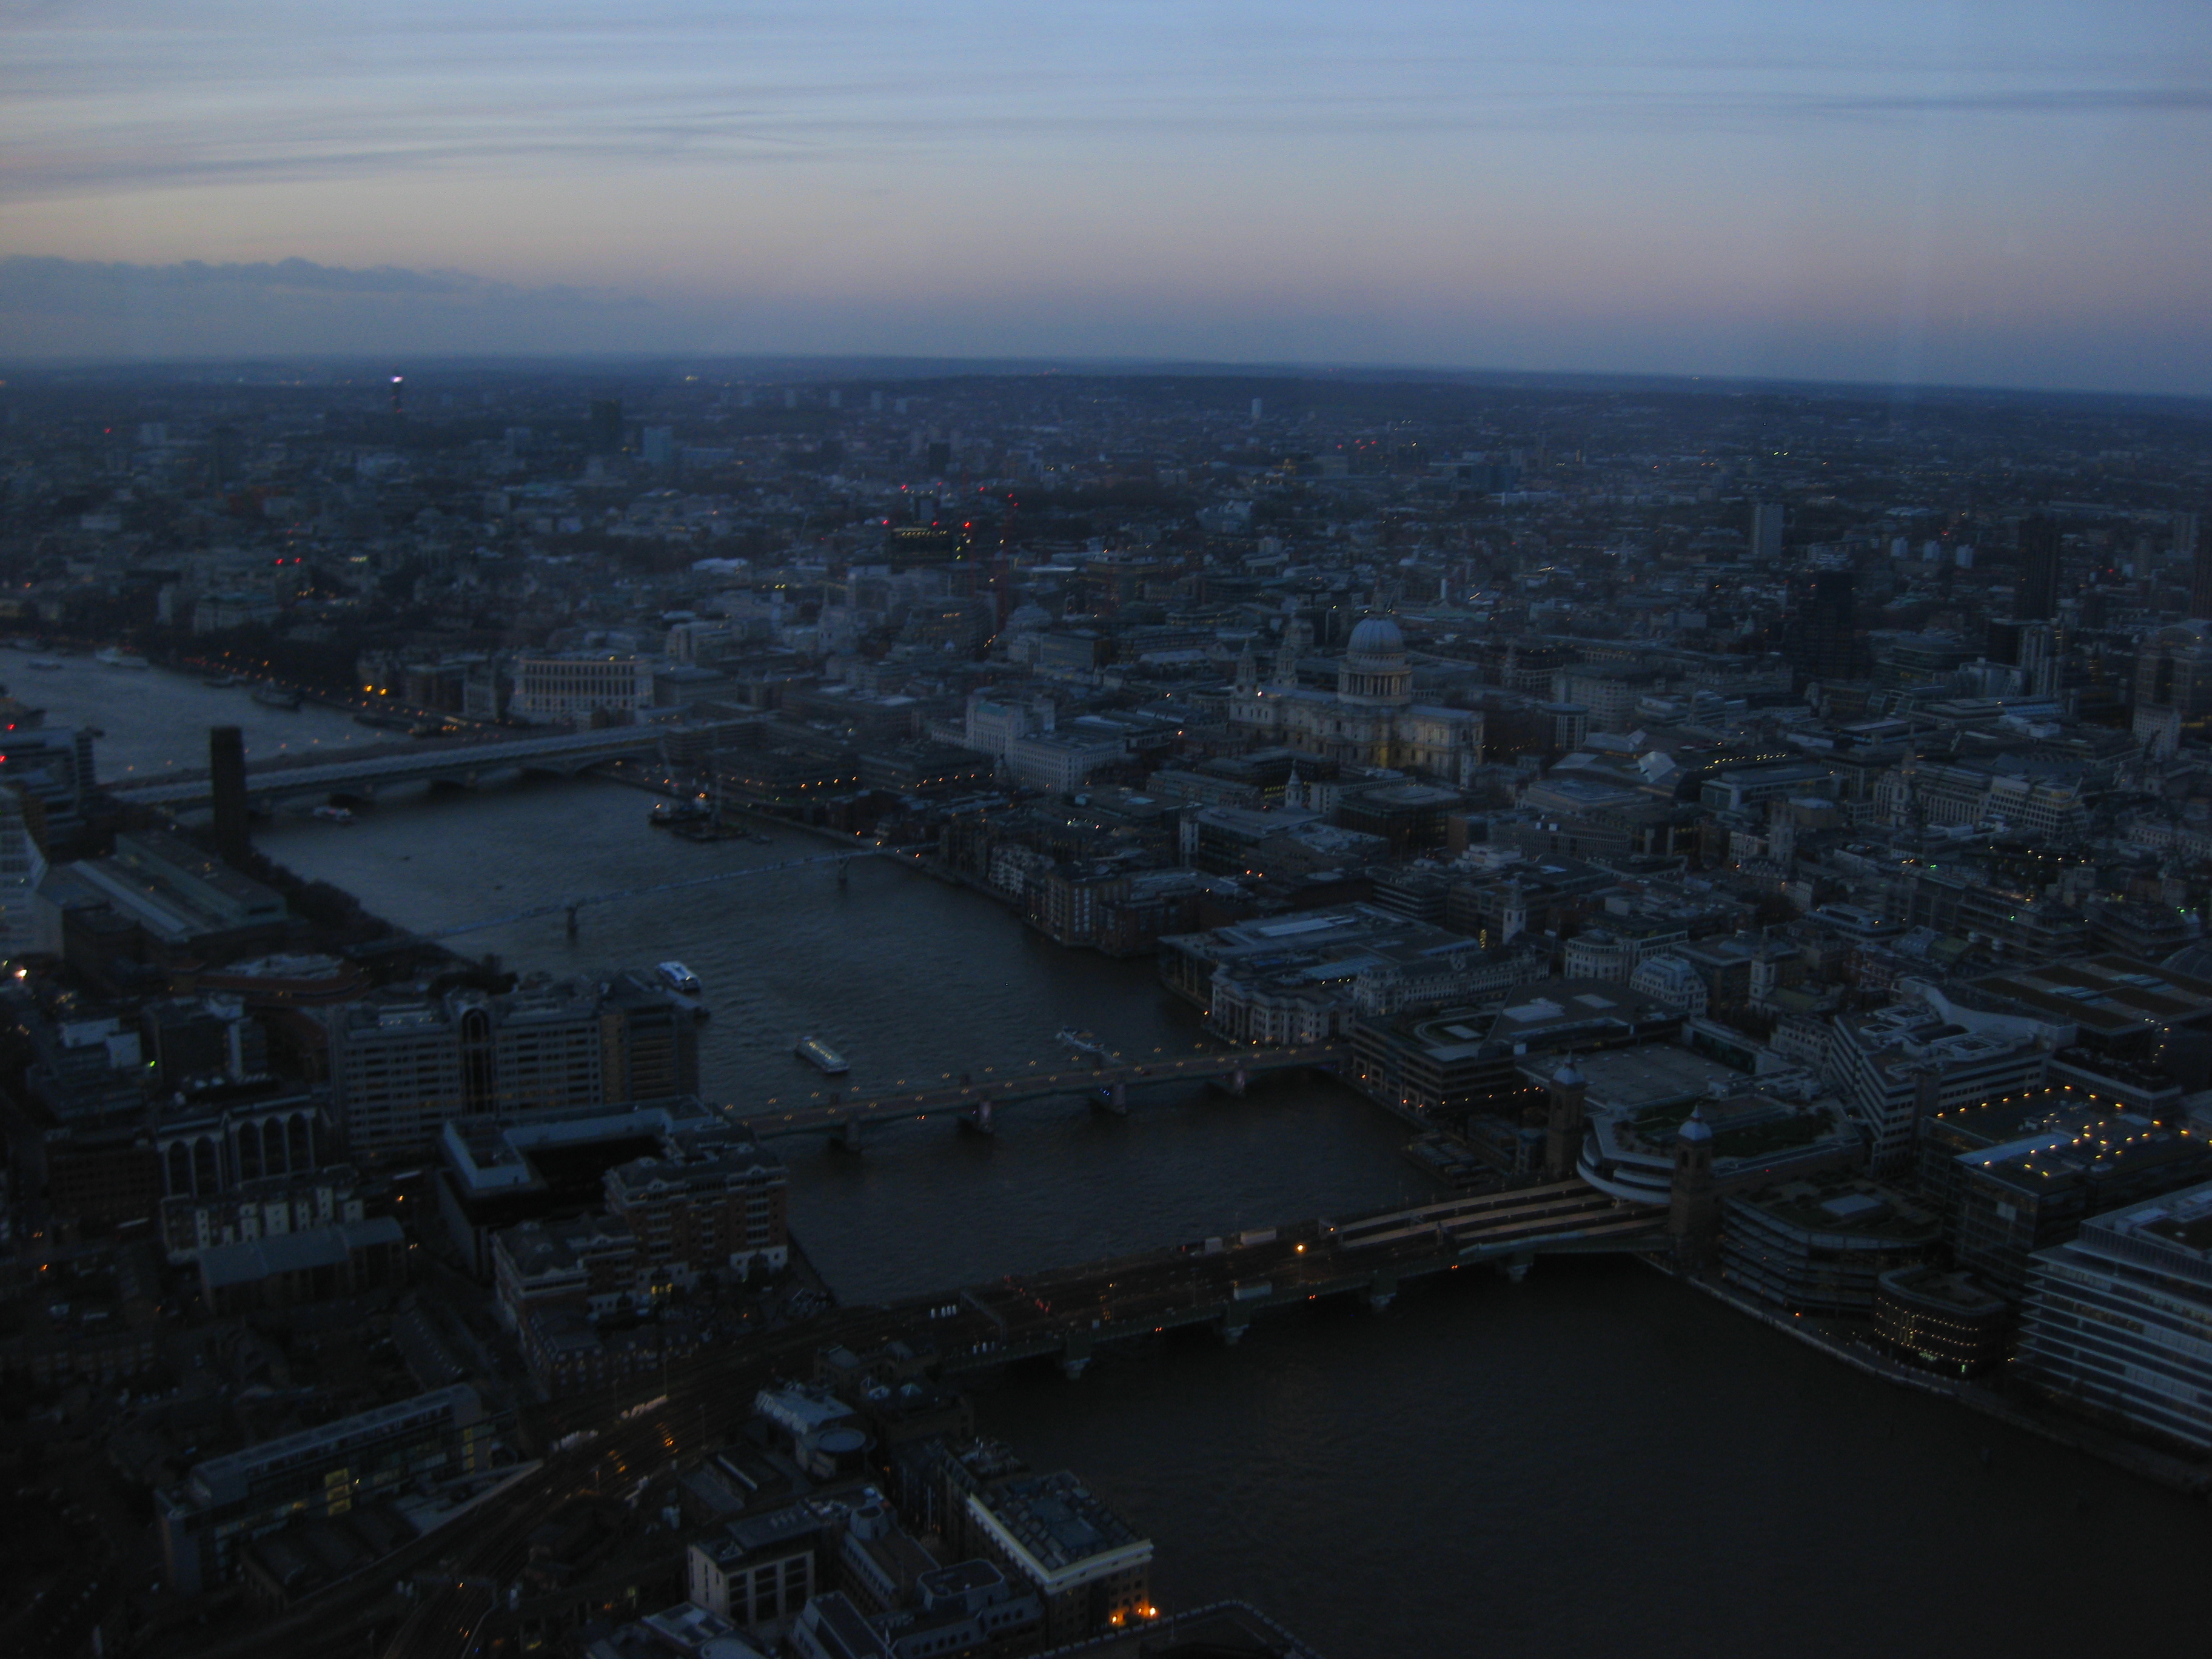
(2036, 598)
(24, 927)
(605, 434)
(658, 445)
(1766, 529)
(2188, 543)
(1823, 642)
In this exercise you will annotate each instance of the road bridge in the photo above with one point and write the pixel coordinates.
(975, 1099)
(426, 760)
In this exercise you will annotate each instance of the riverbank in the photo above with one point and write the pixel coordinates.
(2180, 1474)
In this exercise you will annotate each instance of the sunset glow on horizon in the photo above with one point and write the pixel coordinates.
(1880, 192)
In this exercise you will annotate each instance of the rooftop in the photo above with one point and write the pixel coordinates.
(1058, 1520)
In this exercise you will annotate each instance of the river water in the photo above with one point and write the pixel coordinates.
(1595, 1461)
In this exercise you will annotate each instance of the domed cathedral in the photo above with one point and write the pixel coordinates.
(1370, 720)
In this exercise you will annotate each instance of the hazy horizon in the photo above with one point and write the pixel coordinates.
(1964, 195)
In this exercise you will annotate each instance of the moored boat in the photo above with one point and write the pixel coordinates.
(115, 656)
(275, 697)
(820, 1055)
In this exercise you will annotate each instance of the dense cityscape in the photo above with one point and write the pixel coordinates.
(1738, 844)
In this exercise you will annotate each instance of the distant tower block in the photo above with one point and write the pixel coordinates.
(234, 843)
(1766, 529)
(2035, 599)
(1259, 407)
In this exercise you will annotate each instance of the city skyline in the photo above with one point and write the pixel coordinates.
(1874, 194)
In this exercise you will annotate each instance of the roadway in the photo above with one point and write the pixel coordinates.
(969, 1094)
(386, 764)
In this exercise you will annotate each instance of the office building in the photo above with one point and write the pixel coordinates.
(2119, 1320)
(604, 434)
(1051, 1532)
(498, 1172)
(26, 927)
(224, 1502)
(1941, 1320)
(568, 688)
(1819, 1245)
(52, 768)
(2036, 596)
(2025, 1196)
(1766, 527)
(760, 1571)
(1823, 640)
(2191, 547)
(399, 1069)
(1901, 1064)
(1304, 978)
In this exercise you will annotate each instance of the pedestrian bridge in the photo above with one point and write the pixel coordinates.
(426, 760)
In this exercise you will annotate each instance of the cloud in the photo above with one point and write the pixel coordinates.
(72, 308)
(130, 95)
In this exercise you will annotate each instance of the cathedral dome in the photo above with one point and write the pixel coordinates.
(1375, 673)
(1376, 637)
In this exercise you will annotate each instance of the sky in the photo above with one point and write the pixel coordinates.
(2003, 194)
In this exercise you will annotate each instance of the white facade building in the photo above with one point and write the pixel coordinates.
(566, 687)
(2120, 1320)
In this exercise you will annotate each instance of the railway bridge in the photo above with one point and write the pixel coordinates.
(1222, 1283)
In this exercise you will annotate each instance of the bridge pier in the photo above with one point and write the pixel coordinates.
(1516, 1268)
(977, 1119)
(1238, 1079)
(1382, 1291)
(852, 1134)
(1231, 1335)
(1114, 1098)
(1075, 1359)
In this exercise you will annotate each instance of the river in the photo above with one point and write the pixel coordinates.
(1598, 1460)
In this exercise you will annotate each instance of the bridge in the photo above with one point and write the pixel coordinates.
(1223, 1283)
(613, 1436)
(974, 1099)
(570, 907)
(426, 760)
